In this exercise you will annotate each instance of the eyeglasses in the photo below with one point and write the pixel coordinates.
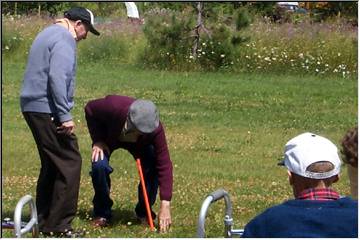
(129, 127)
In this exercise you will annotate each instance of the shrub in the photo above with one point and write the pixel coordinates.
(168, 40)
(216, 52)
(243, 19)
(170, 36)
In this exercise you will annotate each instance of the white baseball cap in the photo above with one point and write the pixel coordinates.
(308, 148)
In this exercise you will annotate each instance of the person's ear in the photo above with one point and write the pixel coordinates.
(78, 23)
(290, 178)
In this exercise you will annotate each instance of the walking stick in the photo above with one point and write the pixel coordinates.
(143, 186)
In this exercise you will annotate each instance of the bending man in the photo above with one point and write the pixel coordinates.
(124, 122)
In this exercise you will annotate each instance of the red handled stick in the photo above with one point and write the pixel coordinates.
(148, 211)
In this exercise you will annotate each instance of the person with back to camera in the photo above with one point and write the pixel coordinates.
(313, 166)
(132, 124)
(46, 100)
(350, 151)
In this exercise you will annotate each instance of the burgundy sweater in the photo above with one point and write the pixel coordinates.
(105, 119)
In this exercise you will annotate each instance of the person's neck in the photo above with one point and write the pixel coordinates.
(68, 24)
(299, 188)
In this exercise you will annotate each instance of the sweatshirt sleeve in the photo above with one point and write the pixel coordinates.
(164, 165)
(97, 114)
(62, 76)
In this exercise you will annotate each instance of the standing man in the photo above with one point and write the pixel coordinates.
(124, 122)
(46, 100)
(313, 165)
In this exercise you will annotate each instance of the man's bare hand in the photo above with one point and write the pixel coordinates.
(67, 127)
(98, 151)
(164, 216)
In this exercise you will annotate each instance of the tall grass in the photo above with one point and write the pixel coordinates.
(323, 49)
(327, 49)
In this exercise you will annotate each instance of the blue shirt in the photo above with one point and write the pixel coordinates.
(49, 80)
(306, 218)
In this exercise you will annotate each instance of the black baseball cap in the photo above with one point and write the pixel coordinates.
(83, 14)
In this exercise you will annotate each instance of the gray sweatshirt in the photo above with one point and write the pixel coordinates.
(49, 80)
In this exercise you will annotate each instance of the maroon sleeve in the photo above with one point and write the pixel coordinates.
(97, 113)
(164, 165)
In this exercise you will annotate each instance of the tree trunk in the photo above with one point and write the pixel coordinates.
(199, 26)
(197, 30)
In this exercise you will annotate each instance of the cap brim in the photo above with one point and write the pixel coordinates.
(93, 30)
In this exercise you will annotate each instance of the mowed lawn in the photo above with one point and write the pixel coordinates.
(223, 130)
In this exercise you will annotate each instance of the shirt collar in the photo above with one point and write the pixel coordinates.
(66, 24)
(324, 194)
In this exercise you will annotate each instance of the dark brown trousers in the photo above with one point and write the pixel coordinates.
(59, 179)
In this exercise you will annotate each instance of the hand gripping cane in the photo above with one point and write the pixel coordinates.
(143, 186)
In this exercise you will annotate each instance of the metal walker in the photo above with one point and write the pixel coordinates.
(20, 227)
(228, 221)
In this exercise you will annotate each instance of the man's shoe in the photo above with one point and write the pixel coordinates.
(100, 222)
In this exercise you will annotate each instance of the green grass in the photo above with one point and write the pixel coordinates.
(224, 131)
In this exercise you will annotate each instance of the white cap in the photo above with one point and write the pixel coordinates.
(308, 148)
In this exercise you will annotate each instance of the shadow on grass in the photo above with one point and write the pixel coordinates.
(120, 216)
(7, 214)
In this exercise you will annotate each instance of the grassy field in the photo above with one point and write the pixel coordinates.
(224, 131)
